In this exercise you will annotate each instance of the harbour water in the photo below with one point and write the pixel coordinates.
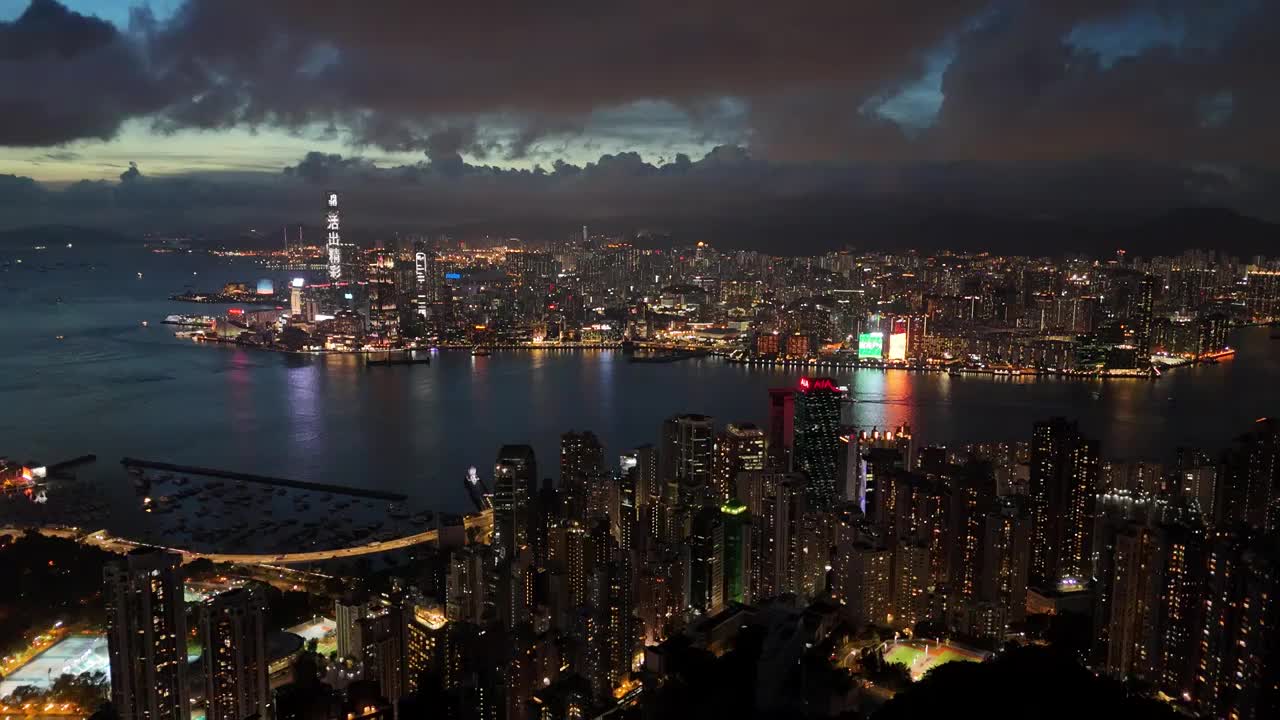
(113, 387)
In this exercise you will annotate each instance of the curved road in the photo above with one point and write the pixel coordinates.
(482, 520)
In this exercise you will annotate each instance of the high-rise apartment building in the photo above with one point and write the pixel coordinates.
(817, 437)
(687, 457)
(1063, 487)
(740, 448)
(147, 636)
(782, 416)
(233, 633)
(1249, 483)
(865, 573)
(705, 573)
(911, 583)
(1237, 669)
(1142, 317)
(1006, 557)
(515, 478)
(1262, 294)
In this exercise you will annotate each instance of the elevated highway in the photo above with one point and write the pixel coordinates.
(482, 521)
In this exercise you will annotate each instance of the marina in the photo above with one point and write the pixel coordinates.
(214, 513)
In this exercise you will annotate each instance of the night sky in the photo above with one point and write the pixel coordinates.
(173, 114)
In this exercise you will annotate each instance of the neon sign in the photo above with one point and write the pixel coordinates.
(871, 345)
(333, 241)
(807, 384)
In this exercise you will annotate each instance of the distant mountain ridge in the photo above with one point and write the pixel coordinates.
(795, 232)
(61, 235)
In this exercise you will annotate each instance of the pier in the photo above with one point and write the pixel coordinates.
(407, 357)
(263, 480)
(73, 462)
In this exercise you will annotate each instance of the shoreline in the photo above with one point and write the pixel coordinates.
(810, 363)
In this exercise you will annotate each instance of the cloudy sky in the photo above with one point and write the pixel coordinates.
(183, 112)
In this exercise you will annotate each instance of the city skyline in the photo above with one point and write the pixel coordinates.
(833, 360)
(952, 541)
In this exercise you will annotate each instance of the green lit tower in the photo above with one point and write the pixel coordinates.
(737, 552)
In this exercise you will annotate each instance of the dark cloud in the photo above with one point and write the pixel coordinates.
(323, 168)
(727, 196)
(396, 76)
(64, 76)
(48, 28)
(499, 79)
(17, 193)
(1017, 90)
(1028, 117)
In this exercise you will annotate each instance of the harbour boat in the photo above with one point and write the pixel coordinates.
(478, 351)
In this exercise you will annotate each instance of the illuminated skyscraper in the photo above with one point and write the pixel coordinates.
(973, 492)
(466, 587)
(428, 277)
(784, 513)
(1142, 318)
(910, 583)
(705, 575)
(1154, 596)
(1262, 294)
(333, 238)
(580, 454)
(817, 437)
(741, 447)
(687, 457)
(782, 416)
(865, 574)
(515, 477)
(1249, 487)
(739, 560)
(348, 610)
(232, 628)
(920, 516)
(1237, 673)
(1063, 487)
(581, 463)
(520, 584)
(295, 296)
(426, 632)
(648, 486)
(620, 631)
(147, 636)
(383, 656)
(881, 466)
(1006, 557)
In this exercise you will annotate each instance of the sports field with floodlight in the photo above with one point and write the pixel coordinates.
(920, 656)
(72, 655)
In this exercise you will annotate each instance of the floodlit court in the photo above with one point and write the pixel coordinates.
(903, 655)
(322, 630)
(920, 656)
(72, 656)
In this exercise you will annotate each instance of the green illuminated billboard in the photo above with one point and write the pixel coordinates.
(870, 345)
